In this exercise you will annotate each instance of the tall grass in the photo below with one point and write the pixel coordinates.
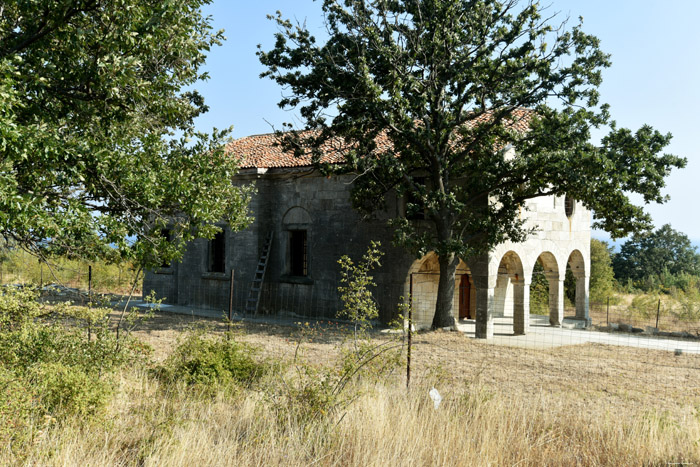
(154, 424)
(21, 267)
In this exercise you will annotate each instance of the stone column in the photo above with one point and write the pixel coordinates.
(521, 305)
(556, 300)
(582, 298)
(485, 304)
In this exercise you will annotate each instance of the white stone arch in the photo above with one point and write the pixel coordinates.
(554, 274)
(577, 262)
(422, 284)
(510, 297)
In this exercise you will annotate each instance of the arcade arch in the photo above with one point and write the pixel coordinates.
(511, 294)
(423, 280)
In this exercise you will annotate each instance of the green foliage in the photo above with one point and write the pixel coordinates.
(16, 408)
(97, 140)
(664, 257)
(212, 364)
(64, 390)
(50, 368)
(602, 279)
(18, 307)
(539, 291)
(355, 291)
(449, 86)
(311, 395)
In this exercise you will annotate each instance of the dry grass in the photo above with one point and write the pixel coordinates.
(582, 405)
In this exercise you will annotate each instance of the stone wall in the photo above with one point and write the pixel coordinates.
(289, 200)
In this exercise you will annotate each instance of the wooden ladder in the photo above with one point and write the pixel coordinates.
(253, 301)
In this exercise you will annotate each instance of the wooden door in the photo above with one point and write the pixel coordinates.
(464, 291)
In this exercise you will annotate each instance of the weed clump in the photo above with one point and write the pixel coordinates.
(212, 364)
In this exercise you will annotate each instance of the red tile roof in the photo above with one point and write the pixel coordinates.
(264, 151)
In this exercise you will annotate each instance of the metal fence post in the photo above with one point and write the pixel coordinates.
(658, 310)
(230, 303)
(607, 314)
(410, 325)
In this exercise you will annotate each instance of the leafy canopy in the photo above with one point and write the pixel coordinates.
(654, 254)
(447, 82)
(98, 148)
(470, 107)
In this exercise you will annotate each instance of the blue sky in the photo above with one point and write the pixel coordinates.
(654, 78)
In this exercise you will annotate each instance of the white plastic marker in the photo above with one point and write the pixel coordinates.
(436, 397)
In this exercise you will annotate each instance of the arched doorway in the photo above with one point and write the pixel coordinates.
(510, 297)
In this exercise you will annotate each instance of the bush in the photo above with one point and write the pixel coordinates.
(16, 408)
(49, 366)
(68, 390)
(212, 364)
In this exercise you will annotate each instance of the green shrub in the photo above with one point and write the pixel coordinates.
(68, 390)
(310, 395)
(66, 371)
(355, 291)
(16, 408)
(18, 307)
(212, 364)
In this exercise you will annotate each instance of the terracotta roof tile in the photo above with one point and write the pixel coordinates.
(264, 151)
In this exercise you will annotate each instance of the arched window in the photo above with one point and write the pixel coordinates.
(297, 223)
(569, 204)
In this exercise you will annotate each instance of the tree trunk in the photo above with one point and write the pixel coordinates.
(444, 316)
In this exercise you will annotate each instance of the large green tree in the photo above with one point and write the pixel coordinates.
(451, 86)
(653, 254)
(99, 154)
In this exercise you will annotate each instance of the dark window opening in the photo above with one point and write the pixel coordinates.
(568, 206)
(298, 258)
(416, 211)
(167, 234)
(217, 253)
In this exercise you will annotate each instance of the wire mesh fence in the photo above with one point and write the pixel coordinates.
(653, 316)
(627, 365)
(21, 268)
(638, 322)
